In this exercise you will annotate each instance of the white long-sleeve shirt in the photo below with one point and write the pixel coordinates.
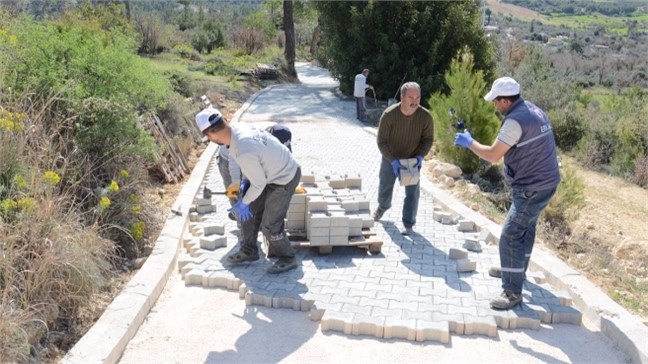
(360, 85)
(262, 158)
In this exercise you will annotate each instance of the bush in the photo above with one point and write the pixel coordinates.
(566, 204)
(186, 51)
(249, 40)
(641, 171)
(567, 126)
(180, 82)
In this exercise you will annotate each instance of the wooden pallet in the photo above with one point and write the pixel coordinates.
(298, 239)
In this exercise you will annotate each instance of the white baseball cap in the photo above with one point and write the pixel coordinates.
(505, 86)
(208, 117)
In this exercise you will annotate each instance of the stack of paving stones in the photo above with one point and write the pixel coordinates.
(423, 287)
(332, 211)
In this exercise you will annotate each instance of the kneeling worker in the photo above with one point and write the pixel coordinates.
(273, 175)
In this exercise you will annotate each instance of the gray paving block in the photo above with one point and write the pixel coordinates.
(212, 242)
(472, 245)
(466, 265)
(524, 317)
(480, 325)
(565, 315)
(399, 328)
(455, 253)
(465, 225)
(368, 325)
(432, 331)
(337, 321)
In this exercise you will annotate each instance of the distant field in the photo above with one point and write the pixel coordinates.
(516, 11)
(616, 25)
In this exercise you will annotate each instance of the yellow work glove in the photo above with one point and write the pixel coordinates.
(232, 191)
(300, 190)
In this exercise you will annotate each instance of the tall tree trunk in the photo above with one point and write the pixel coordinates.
(289, 30)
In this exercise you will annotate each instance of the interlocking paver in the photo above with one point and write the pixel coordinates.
(410, 290)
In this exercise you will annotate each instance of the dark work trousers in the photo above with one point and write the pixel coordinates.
(360, 108)
(268, 213)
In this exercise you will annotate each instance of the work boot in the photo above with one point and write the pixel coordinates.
(495, 272)
(283, 264)
(506, 300)
(242, 257)
(378, 214)
(407, 231)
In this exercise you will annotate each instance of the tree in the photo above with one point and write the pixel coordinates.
(466, 97)
(488, 12)
(393, 39)
(289, 30)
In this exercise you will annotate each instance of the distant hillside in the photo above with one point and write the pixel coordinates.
(519, 12)
(581, 7)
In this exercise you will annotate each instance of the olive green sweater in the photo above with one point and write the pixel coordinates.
(402, 137)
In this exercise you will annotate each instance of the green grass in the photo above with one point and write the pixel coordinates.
(611, 24)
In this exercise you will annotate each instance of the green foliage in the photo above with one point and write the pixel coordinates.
(186, 51)
(466, 97)
(415, 40)
(569, 199)
(95, 75)
(568, 126)
(262, 22)
(208, 37)
(616, 135)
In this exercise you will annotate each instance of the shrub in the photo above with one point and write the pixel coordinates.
(565, 206)
(567, 126)
(249, 40)
(641, 171)
(180, 82)
(186, 51)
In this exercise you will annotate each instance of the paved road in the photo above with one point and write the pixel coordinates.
(412, 288)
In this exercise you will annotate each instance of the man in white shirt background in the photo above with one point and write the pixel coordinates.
(359, 88)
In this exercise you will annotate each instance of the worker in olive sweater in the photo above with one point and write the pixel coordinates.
(406, 130)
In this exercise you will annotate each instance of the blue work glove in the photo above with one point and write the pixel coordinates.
(397, 166)
(419, 162)
(242, 211)
(245, 184)
(463, 139)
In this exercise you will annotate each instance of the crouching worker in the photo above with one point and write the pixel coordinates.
(271, 175)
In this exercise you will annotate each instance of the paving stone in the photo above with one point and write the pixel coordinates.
(455, 253)
(465, 225)
(432, 331)
(213, 242)
(542, 311)
(194, 277)
(368, 325)
(399, 328)
(337, 321)
(565, 315)
(480, 325)
(466, 265)
(524, 317)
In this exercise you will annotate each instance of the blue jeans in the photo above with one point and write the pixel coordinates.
(268, 213)
(360, 108)
(386, 190)
(518, 235)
